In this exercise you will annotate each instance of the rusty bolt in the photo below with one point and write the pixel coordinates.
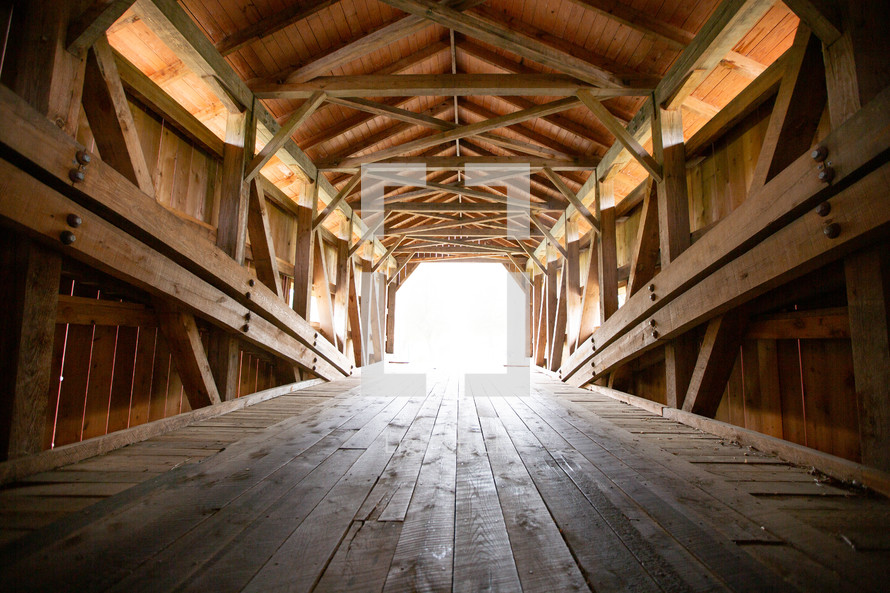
(74, 221)
(652, 323)
(819, 154)
(654, 334)
(832, 231)
(826, 175)
(245, 328)
(823, 209)
(76, 175)
(247, 316)
(83, 157)
(67, 237)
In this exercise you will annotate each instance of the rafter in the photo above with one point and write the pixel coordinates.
(499, 35)
(271, 24)
(366, 44)
(676, 37)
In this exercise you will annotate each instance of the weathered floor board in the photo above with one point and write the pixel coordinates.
(557, 489)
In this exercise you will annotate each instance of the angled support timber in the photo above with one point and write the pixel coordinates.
(92, 23)
(355, 317)
(645, 254)
(272, 24)
(542, 226)
(284, 134)
(111, 121)
(182, 336)
(261, 243)
(558, 336)
(621, 134)
(341, 292)
(388, 253)
(572, 198)
(797, 110)
(819, 17)
(572, 270)
(590, 302)
(719, 349)
(332, 205)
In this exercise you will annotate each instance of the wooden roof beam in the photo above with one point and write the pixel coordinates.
(503, 37)
(453, 163)
(470, 130)
(366, 44)
(93, 22)
(646, 24)
(271, 24)
(437, 85)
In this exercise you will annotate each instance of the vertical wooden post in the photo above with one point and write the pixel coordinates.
(341, 292)
(322, 290)
(540, 320)
(391, 316)
(868, 299)
(573, 285)
(46, 75)
(238, 149)
(355, 317)
(673, 227)
(590, 304)
(552, 296)
(304, 251)
(608, 252)
(558, 337)
(224, 357)
(29, 287)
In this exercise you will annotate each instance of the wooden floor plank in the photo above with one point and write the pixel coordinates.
(555, 489)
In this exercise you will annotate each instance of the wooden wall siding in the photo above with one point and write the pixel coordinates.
(108, 378)
(798, 390)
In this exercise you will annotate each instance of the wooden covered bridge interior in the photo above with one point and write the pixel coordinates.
(190, 290)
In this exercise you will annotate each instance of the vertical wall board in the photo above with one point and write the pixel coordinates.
(179, 197)
(788, 359)
(244, 374)
(761, 387)
(95, 417)
(142, 376)
(160, 380)
(149, 131)
(122, 382)
(175, 393)
(202, 201)
(650, 383)
(54, 383)
(165, 174)
(832, 420)
(75, 373)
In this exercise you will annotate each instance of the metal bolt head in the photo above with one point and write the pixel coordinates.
(823, 209)
(67, 238)
(247, 316)
(76, 175)
(83, 157)
(654, 334)
(652, 323)
(74, 220)
(245, 328)
(251, 282)
(247, 295)
(653, 296)
(651, 288)
(826, 175)
(832, 231)
(819, 154)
